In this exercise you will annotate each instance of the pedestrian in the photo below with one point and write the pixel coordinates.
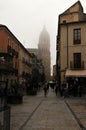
(45, 89)
(52, 86)
(1, 94)
(66, 90)
(79, 90)
(75, 87)
(56, 88)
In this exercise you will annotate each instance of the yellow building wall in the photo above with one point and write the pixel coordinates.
(79, 48)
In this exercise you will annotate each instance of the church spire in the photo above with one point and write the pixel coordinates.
(44, 37)
(44, 27)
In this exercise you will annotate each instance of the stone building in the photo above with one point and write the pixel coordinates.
(71, 44)
(44, 51)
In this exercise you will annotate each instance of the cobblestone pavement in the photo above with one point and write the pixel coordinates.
(49, 113)
(78, 108)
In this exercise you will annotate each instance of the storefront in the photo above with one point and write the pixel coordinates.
(79, 75)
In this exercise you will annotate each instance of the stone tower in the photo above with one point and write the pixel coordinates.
(44, 51)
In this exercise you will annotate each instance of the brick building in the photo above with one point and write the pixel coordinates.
(15, 60)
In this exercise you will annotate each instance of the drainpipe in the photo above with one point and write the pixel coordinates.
(67, 48)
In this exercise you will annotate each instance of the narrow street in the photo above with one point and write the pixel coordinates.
(49, 113)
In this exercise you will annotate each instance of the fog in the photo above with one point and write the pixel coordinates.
(26, 18)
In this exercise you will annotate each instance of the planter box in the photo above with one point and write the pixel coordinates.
(31, 92)
(15, 99)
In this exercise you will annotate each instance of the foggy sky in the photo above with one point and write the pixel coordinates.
(26, 18)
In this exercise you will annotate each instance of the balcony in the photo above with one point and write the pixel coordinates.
(15, 71)
(26, 62)
(26, 75)
(76, 66)
(12, 51)
(5, 66)
(8, 68)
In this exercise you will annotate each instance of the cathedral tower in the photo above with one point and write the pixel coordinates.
(44, 51)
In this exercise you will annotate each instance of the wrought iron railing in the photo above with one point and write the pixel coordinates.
(76, 66)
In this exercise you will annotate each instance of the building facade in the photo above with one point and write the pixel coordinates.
(37, 64)
(71, 44)
(54, 72)
(15, 60)
(9, 53)
(44, 51)
(25, 65)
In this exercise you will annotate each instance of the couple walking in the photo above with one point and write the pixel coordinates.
(46, 88)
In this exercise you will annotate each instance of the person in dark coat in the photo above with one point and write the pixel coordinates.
(45, 89)
(56, 88)
(1, 94)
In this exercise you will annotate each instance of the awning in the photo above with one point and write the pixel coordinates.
(75, 73)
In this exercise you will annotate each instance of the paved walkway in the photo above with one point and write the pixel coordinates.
(49, 113)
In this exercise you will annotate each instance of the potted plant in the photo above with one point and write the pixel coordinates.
(15, 94)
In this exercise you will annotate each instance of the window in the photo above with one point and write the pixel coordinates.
(12, 44)
(77, 36)
(8, 41)
(77, 60)
(64, 21)
(15, 64)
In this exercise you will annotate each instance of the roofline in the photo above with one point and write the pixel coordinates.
(71, 7)
(4, 26)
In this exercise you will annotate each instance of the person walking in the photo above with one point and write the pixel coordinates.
(56, 88)
(45, 89)
(66, 90)
(1, 94)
